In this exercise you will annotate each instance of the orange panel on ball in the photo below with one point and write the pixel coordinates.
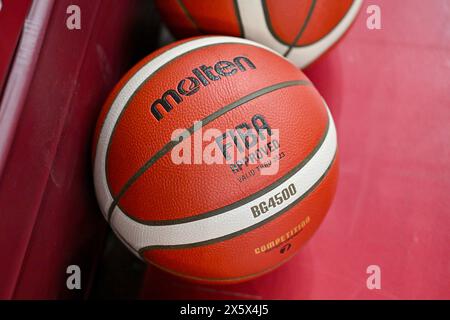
(202, 188)
(244, 188)
(235, 260)
(304, 22)
(139, 130)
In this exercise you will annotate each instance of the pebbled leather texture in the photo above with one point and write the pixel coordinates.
(166, 191)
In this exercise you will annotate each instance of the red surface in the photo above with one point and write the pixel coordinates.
(48, 211)
(12, 18)
(389, 93)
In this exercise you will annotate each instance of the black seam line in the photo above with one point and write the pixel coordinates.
(273, 33)
(245, 230)
(188, 15)
(148, 78)
(303, 28)
(243, 201)
(169, 146)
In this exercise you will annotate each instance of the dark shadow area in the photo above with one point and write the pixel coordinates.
(119, 273)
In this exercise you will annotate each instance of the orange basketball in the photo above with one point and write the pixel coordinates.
(301, 30)
(215, 159)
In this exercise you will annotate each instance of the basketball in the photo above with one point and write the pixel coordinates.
(215, 159)
(300, 30)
